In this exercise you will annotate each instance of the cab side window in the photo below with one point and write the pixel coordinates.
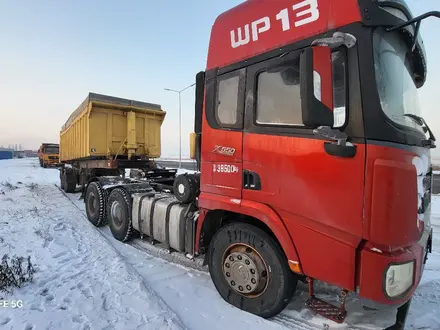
(278, 93)
(278, 96)
(230, 99)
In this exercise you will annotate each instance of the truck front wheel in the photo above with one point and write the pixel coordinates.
(119, 215)
(95, 204)
(250, 271)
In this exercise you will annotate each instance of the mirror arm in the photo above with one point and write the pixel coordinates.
(431, 135)
(416, 34)
(417, 20)
(332, 134)
(414, 20)
(338, 39)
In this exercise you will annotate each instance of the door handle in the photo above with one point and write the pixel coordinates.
(334, 149)
(251, 180)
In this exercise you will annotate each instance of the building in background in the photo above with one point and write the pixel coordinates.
(29, 153)
(6, 153)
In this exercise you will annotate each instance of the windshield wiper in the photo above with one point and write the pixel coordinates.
(427, 143)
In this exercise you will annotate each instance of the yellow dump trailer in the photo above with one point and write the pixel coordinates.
(105, 127)
(105, 136)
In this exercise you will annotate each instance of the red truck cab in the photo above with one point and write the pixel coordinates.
(308, 128)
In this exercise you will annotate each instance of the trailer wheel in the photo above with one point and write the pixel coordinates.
(119, 215)
(95, 204)
(69, 185)
(62, 180)
(250, 271)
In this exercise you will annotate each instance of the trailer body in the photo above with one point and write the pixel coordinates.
(105, 127)
(106, 135)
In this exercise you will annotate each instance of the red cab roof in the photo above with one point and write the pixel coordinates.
(257, 26)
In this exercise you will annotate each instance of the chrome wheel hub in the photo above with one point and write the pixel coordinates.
(245, 270)
(93, 203)
(241, 272)
(116, 213)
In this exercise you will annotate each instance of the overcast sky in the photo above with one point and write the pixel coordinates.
(54, 52)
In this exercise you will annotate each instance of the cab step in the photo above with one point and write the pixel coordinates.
(325, 309)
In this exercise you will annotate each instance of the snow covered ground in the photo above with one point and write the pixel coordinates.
(88, 280)
(175, 159)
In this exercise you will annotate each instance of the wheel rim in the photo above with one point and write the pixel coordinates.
(93, 203)
(116, 213)
(245, 270)
(181, 189)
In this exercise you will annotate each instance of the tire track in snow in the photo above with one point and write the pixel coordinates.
(130, 268)
(71, 265)
(283, 320)
(294, 323)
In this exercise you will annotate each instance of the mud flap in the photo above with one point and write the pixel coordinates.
(402, 313)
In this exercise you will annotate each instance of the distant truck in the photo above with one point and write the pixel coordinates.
(105, 136)
(49, 154)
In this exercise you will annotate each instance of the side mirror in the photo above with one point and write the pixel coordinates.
(316, 87)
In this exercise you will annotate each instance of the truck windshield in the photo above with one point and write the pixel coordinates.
(51, 150)
(394, 78)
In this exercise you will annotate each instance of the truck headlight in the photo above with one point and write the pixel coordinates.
(399, 278)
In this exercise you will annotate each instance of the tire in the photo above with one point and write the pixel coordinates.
(62, 180)
(276, 284)
(44, 165)
(95, 204)
(119, 215)
(185, 188)
(69, 187)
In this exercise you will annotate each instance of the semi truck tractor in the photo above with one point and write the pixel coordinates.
(313, 159)
(49, 154)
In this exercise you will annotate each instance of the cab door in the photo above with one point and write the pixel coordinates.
(317, 193)
(222, 146)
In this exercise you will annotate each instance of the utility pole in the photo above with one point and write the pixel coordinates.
(180, 119)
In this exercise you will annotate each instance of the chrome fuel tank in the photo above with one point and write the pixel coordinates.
(162, 217)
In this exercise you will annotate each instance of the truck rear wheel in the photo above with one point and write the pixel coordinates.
(250, 271)
(119, 215)
(69, 182)
(62, 180)
(95, 204)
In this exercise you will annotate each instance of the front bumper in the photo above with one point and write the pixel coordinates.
(375, 263)
(52, 161)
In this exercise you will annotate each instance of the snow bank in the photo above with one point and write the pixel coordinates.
(82, 281)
